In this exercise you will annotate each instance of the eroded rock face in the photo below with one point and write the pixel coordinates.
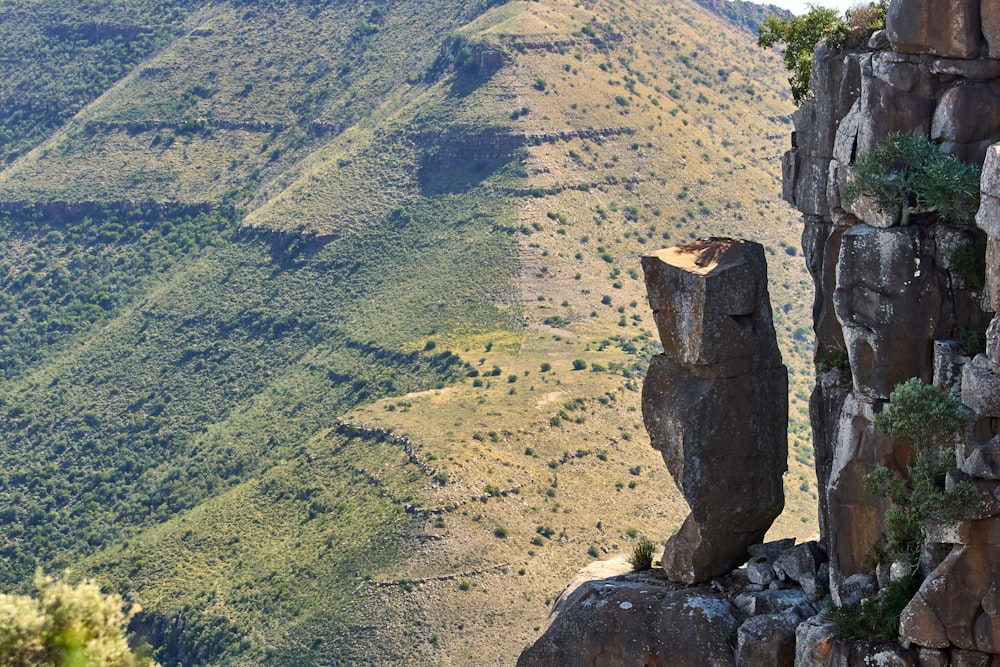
(636, 620)
(715, 403)
(941, 27)
(959, 603)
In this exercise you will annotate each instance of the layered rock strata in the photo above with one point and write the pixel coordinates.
(715, 402)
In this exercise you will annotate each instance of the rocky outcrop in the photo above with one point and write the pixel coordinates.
(891, 301)
(897, 297)
(636, 620)
(715, 402)
(608, 618)
(895, 302)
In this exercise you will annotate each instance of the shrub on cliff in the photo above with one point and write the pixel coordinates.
(65, 626)
(911, 172)
(932, 421)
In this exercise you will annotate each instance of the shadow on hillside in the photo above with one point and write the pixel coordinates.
(450, 173)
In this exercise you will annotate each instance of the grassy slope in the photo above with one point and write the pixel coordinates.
(280, 538)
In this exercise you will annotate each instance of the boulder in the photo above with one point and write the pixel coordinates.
(776, 601)
(981, 387)
(959, 602)
(871, 653)
(723, 442)
(814, 640)
(801, 564)
(623, 622)
(715, 402)
(947, 28)
(984, 461)
(710, 307)
(966, 114)
(888, 300)
(767, 640)
(990, 24)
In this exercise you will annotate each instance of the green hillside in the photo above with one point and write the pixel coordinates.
(323, 323)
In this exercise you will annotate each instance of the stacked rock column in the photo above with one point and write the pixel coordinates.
(715, 403)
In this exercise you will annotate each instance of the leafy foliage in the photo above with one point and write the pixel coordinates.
(876, 618)
(641, 557)
(912, 173)
(66, 626)
(800, 35)
(931, 420)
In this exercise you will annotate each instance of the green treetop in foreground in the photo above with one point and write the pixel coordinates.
(800, 35)
(66, 626)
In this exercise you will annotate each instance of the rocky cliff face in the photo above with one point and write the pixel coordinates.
(896, 301)
(897, 296)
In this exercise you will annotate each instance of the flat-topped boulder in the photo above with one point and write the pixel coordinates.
(715, 403)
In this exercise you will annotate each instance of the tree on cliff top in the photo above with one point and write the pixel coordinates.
(802, 33)
(66, 626)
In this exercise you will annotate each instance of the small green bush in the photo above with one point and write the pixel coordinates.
(876, 618)
(911, 172)
(642, 555)
(931, 420)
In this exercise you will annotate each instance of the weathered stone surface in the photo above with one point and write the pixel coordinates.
(984, 461)
(932, 657)
(855, 587)
(941, 27)
(885, 109)
(760, 570)
(865, 654)
(962, 658)
(801, 563)
(813, 640)
(767, 641)
(836, 85)
(981, 387)
(993, 277)
(966, 114)
(821, 248)
(597, 570)
(988, 216)
(973, 70)
(949, 358)
(825, 405)
(990, 181)
(990, 24)
(725, 453)
(710, 306)
(985, 504)
(780, 601)
(993, 341)
(715, 402)
(622, 623)
(888, 302)
(855, 516)
(959, 603)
